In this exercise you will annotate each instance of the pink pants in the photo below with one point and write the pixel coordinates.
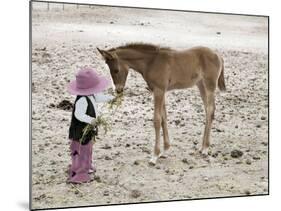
(81, 166)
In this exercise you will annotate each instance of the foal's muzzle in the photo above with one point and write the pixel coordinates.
(119, 90)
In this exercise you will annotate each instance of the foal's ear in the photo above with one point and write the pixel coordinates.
(105, 54)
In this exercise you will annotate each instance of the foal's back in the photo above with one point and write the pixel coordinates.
(187, 67)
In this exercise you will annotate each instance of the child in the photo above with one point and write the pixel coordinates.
(87, 86)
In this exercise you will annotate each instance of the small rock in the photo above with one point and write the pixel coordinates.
(76, 192)
(52, 105)
(136, 162)
(236, 153)
(191, 167)
(215, 154)
(195, 142)
(191, 153)
(247, 192)
(218, 33)
(256, 158)
(107, 157)
(146, 150)
(184, 160)
(111, 22)
(263, 118)
(248, 161)
(177, 122)
(264, 143)
(206, 179)
(236, 126)
(106, 146)
(106, 193)
(127, 145)
(97, 178)
(40, 197)
(219, 130)
(258, 126)
(135, 193)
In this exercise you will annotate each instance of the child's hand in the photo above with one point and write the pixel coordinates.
(94, 122)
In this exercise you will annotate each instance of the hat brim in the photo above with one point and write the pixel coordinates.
(101, 86)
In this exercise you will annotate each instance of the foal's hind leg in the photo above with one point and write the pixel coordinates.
(210, 111)
(165, 130)
(202, 91)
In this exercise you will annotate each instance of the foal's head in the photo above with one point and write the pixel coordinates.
(118, 70)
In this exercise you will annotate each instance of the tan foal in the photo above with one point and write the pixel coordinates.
(165, 69)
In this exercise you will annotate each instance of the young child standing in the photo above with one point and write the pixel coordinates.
(87, 87)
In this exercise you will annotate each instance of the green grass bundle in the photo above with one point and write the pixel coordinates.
(116, 102)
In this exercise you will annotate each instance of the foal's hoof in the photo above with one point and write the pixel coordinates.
(153, 160)
(164, 154)
(204, 151)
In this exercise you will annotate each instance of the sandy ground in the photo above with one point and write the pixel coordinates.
(63, 41)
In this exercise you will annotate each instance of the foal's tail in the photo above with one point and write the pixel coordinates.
(221, 81)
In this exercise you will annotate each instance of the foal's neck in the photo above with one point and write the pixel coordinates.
(136, 60)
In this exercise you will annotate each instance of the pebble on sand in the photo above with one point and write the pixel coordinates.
(248, 161)
(247, 192)
(97, 178)
(236, 153)
(184, 160)
(106, 193)
(135, 193)
(136, 162)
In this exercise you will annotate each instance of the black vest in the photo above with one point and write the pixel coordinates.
(76, 126)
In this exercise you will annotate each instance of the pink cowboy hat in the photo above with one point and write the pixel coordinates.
(87, 82)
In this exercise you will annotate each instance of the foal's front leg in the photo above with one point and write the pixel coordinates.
(158, 106)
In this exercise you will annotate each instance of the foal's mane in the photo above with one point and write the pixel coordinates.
(141, 47)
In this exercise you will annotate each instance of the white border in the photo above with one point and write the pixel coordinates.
(15, 104)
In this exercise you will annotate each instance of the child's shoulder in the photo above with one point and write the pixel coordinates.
(80, 98)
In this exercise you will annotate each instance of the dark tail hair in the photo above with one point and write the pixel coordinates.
(221, 81)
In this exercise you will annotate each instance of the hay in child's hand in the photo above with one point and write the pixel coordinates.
(101, 121)
(104, 123)
(87, 129)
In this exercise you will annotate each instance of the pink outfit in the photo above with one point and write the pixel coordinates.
(87, 83)
(81, 166)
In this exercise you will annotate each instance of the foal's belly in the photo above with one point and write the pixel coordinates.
(184, 79)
